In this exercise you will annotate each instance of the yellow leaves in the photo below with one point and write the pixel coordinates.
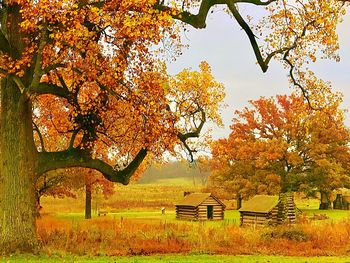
(194, 91)
(305, 28)
(313, 57)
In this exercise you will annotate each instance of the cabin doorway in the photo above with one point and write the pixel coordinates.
(210, 212)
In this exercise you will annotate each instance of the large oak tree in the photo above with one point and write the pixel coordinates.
(279, 145)
(87, 69)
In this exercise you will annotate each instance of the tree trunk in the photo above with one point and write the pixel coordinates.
(239, 201)
(284, 184)
(88, 201)
(325, 203)
(17, 172)
(37, 204)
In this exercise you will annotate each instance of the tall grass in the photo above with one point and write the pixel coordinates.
(132, 236)
(134, 226)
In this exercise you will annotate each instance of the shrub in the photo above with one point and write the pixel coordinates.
(294, 234)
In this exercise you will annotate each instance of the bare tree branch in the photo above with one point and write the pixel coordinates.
(183, 137)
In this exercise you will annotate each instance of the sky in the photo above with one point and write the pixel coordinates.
(226, 48)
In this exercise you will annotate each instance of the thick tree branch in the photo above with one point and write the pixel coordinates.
(256, 2)
(53, 66)
(81, 158)
(48, 88)
(250, 35)
(18, 82)
(38, 72)
(4, 44)
(198, 20)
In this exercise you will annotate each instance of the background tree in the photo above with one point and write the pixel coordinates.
(94, 180)
(67, 182)
(283, 145)
(93, 63)
(204, 168)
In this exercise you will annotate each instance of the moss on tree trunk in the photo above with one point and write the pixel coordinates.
(17, 172)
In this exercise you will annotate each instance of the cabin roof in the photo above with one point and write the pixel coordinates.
(260, 204)
(195, 199)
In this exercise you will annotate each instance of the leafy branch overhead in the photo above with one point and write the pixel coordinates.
(92, 62)
(293, 32)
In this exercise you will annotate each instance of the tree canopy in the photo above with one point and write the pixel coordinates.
(281, 144)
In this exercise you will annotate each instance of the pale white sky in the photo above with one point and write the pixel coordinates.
(226, 48)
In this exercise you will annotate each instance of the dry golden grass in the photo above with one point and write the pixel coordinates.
(134, 226)
(135, 236)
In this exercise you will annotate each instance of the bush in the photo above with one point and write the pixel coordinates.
(294, 234)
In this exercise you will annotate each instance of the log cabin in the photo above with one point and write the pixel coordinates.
(200, 207)
(264, 210)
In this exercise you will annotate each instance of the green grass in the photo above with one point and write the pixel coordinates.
(231, 217)
(334, 215)
(179, 181)
(310, 207)
(175, 259)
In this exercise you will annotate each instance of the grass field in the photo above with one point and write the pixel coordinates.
(177, 259)
(134, 226)
(134, 197)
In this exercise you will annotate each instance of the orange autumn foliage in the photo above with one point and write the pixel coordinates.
(281, 144)
(87, 74)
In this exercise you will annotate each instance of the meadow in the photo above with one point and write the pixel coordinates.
(134, 227)
(176, 258)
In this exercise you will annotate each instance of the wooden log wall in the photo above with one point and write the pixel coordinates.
(186, 212)
(287, 209)
(254, 219)
(341, 202)
(273, 216)
(290, 208)
(218, 209)
(218, 213)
